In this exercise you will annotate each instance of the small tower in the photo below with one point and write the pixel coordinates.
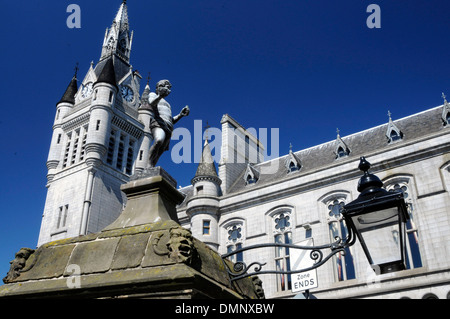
(62, 107)
(203, 207)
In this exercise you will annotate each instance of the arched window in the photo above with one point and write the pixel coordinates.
(293, 167)
(413, 257)
(394, 136)
(235, 240)
(282, 230)
(341, 152)
(343, 262)
(251, 179)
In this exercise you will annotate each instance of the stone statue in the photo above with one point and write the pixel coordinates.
(162, 122)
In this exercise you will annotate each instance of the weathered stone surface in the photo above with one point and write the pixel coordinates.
(52, 262)
(130, 251)
(94, 256)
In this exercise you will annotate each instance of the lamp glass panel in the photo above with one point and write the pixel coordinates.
(381, 234)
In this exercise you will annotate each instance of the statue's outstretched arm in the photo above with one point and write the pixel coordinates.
(184, 112)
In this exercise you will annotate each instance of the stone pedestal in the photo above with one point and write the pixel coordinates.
(151, 198)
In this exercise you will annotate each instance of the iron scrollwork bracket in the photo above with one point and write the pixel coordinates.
(240, 269)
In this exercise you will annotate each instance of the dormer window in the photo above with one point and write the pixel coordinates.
(445, 111)
(293, 167)
(251, 179)
(447, 119)
(341, 149)
(394, 136)
(393, 133)
(251, 175)
(341, 152)
(292, 162)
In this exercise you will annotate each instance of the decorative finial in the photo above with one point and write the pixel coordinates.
(444, 97)
(76, 70)
(364, 165)
(337, 131)
(389, 114)
(148, 78)
(290, 147)
(207, 126)
(368, 182)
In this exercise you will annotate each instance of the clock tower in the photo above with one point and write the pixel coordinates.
(96, 144)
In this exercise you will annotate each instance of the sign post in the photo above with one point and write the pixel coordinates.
(300, 259)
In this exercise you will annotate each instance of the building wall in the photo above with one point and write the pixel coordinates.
(66, 191)
(109, 200)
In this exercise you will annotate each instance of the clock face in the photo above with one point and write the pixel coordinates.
(86, 90)
(127, 93)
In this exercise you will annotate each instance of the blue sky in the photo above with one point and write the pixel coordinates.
(305, 67)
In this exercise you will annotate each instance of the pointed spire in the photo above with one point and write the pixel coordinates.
(118, 38)
(108, 74)
(207, 126)
(72, 88)
(121, 18)
(144, 98)
(206, 168)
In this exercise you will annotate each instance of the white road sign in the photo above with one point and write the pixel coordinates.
(300, 259)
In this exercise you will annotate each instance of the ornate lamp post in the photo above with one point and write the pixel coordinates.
(378, 218)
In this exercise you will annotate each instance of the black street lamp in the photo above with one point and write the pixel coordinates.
(378, 218)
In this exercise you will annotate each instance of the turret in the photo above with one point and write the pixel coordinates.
(64, 105)
(203, 207)
(105, 90)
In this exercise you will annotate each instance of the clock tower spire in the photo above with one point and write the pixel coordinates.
(118, 38)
